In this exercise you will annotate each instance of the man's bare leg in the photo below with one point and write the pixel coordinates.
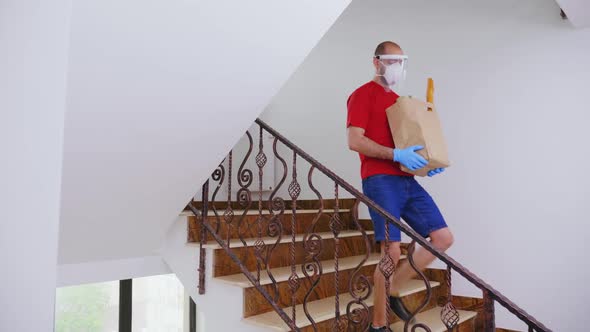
(380, 297)
(441, 239)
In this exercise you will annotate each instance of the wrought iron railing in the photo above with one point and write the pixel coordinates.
(270, 229)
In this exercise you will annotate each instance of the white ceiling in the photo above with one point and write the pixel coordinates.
(158, 92)
(577, 11)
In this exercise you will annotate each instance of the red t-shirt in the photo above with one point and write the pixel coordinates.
(366, 109)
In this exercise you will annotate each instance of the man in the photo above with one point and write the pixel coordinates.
(386, 184)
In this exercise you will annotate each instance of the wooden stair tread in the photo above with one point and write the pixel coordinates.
(282, 273)
(432, 319)
(236, 243)
(322, 310)
(253, 212)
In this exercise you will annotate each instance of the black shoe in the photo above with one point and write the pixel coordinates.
(398, 307)
(381, 329)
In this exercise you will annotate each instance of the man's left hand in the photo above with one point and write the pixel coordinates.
(435, 171)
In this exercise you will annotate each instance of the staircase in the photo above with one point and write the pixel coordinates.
(321, 302)
(308, 264)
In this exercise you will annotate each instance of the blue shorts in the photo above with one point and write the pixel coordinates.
(402, 196)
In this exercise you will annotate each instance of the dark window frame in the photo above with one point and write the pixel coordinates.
(125, 304)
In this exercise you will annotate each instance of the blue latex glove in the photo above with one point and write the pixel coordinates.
(435, 171)
(409, 158)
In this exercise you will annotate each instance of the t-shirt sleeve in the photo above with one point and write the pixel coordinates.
(358, 109)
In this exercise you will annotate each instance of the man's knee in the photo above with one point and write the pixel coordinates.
(442, 239)
(395, 250)
(378, 275)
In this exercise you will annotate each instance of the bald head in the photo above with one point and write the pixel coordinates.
(388, 47)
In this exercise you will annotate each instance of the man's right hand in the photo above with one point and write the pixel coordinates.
(409, 158)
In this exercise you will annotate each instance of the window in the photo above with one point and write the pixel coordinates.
(150, 304)
(158, 304)
(87, 308)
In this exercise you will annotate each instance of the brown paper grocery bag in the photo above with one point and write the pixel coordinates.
(412, 124)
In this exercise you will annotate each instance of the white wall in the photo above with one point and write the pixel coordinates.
(158, 92)
(221, 308)
(33, 58)
(93, 272)
(511, 85)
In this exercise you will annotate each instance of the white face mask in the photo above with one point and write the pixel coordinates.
(393, 68)
(394, 73)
